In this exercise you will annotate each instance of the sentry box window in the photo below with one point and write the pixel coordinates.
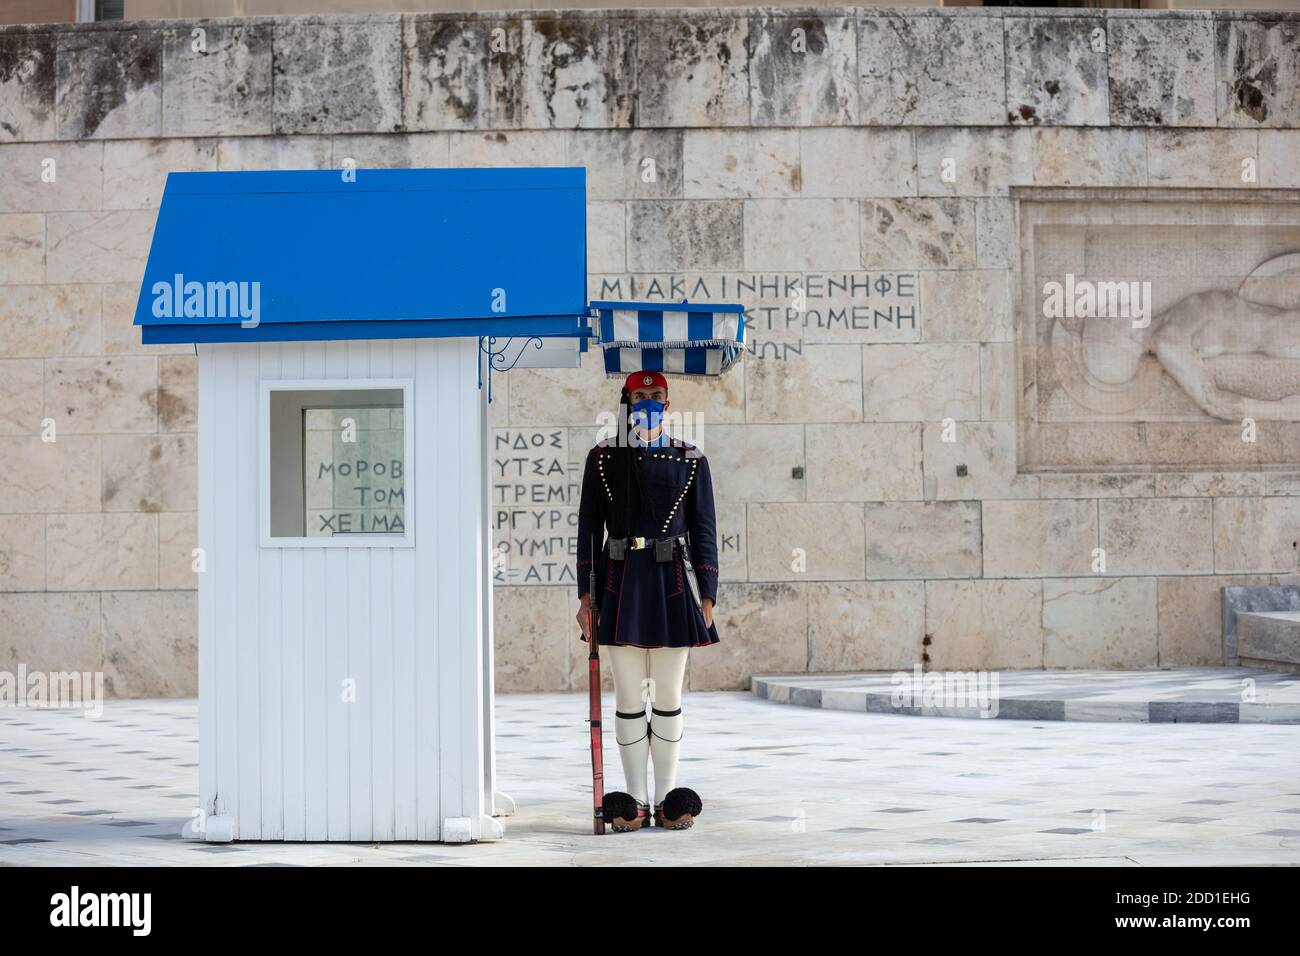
(337, 464)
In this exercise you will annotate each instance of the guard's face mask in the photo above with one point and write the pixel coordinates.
(647, 414)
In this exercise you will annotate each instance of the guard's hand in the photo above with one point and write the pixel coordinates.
(706, 607)
(583, 621)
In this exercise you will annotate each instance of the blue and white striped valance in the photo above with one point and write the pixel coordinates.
(681, 338)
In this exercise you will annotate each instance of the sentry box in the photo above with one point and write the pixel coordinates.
(346, 325)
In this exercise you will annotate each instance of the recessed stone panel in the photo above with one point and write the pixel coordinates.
(1153, 332)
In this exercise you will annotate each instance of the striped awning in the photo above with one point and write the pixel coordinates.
(681, 338)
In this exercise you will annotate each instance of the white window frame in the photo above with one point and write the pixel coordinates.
(361, 539)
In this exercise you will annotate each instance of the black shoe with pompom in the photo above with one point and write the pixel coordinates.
(679, 809)
(622, 812)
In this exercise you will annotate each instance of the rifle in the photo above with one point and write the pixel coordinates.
(593, 685)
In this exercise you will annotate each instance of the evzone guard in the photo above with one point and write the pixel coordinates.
(656, 585)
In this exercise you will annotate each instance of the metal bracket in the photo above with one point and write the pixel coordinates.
(497, 357)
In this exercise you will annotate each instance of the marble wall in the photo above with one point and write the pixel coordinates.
(861, 180)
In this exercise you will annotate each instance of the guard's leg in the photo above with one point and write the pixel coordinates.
(631, 730)
(667, 673)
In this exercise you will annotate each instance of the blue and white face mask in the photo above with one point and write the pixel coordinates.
(647, 414)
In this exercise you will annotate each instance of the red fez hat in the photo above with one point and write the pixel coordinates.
(645, 379)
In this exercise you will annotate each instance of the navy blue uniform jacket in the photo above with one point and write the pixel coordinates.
(652, 492)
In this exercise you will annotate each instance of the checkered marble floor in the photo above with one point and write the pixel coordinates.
(1181, 694)
(781, 785)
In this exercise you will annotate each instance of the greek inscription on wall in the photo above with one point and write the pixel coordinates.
(786, 310)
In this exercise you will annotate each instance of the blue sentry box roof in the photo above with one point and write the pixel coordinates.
(396, 253)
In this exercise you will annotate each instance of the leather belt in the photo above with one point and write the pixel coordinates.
(663, 547)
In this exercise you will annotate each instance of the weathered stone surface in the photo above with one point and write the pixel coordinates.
(805, 542)
(1219, 157)
(868, 462)
(109, 84)
(1100, 623)
(1090, 157)
(678, 235)
(45, 631)
(984, 624)
(461, 74)
(27, 87)
(120, 334)
(629, 164)
(135, 170)
(865, 626)
(110, 246)
(722, 164)
(986, 450)
(967, 306)
(1256, 534)
(755, 462)
(1257, 62)
(692, 71)
(531, 654)
(101, 551)
(545, 396)
(1279, 158)
(22, 553)
(150, 644)
(178, 536)
(802, 71)
(391, 151)
(853, 162)
(973, 162)
(822, 384)
(923, 539)
(178, 393)
(518, 148)
(1030, 539)
(336, 76)
(26, 170)
(20, 396)
(274, 152)
(998, 387)
(762, 630)
(995, 240)
(22, 248)
(924, 70)
(1096, 486)
(150, 473)
(1161, 71)
(1157, 536)
(606, 237)
(577, 72)
(914, 383)
(1191, 617)
(1206, 484)
(102, 395)
(223, 86)
(1056, 71)
(918, 233)
(37, 477)
(801, 234)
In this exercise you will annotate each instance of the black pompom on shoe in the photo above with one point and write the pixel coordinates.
(621, 811)
(680, 808)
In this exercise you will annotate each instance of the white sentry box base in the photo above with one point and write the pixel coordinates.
(281, 629)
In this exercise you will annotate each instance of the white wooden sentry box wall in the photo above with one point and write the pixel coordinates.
(282, 756)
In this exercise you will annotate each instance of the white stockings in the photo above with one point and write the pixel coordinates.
(651, 676)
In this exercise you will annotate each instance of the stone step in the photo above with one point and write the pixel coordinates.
(1269, 639)
(1169, 695)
